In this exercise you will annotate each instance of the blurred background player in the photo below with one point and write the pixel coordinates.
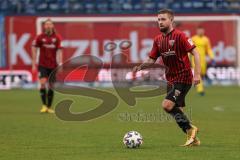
(49, 43)
(203, 46)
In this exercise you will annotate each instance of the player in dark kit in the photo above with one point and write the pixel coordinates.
(173, 47)
(49, 43)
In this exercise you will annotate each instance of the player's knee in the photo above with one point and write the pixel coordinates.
(167, 105)
(50, 92)
(43, 82)
(42, 86)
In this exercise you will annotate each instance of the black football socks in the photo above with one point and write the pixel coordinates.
(43, 95)
(180, 118)
(50, 97)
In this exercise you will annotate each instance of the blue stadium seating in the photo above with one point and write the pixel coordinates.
(32, 7)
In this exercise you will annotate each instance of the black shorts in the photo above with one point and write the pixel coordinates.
(177, 93)
(44, 72)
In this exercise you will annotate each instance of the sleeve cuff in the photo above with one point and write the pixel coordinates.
(190, 49)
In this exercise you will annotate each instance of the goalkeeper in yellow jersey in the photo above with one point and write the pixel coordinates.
(204, 48)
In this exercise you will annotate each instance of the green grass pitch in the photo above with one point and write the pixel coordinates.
(26, 134)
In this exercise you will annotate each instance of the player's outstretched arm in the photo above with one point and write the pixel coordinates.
(197, 67)
(148, 62)
(34, 56)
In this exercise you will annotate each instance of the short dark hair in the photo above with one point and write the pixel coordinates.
(167, 11)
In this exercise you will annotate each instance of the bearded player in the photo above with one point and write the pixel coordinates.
(173, 46)
(49, 43)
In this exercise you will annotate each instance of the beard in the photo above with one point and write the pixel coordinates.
(164, 29)
(49, 31)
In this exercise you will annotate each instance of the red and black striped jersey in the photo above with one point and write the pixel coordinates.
(173, 48)
(48, 49)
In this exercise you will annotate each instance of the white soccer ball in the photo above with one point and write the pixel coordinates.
(132, 139)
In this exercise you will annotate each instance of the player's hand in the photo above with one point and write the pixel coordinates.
(34, 68)
(196, 79)
(60, 67)
(136, 68)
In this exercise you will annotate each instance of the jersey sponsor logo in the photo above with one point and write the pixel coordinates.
(49, 46)
(169, 53)
(54, 40)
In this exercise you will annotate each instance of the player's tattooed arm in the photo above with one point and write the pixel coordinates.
(34, 57)
(148, 62)
(197, 67)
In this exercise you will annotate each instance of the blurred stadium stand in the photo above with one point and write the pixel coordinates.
(31, 7)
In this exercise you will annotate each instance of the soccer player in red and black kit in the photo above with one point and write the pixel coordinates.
(173, 47)
(49, 43)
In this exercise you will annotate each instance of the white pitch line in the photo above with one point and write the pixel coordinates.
(218, 108)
